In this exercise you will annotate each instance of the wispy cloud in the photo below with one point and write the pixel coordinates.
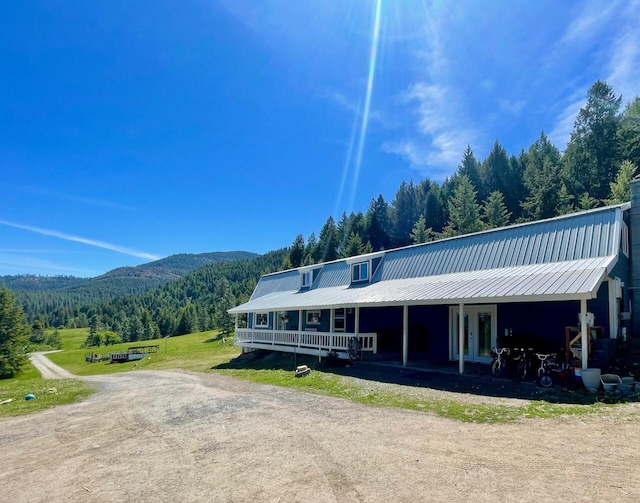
(613, 28)
(440, 138)
(86, 241)
(93, 201)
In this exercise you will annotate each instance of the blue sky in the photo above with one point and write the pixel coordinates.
(131, 131)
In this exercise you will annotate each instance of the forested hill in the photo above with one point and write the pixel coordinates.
(55, 299)
(123, 280)
(196, 301)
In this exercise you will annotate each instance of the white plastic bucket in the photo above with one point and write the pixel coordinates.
(591, 378)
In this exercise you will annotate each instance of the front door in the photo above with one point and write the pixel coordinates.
(479, 332)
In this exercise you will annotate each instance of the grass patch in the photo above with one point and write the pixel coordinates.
(29, 381)
(329, 384)
(194, 352)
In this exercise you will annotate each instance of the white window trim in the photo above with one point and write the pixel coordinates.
(310, 317)
(309, 276)
(337, 317)
(625, 239)
(255, 320)
(359, 265)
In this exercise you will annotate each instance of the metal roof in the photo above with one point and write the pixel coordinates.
(569, 280)
(557, 259)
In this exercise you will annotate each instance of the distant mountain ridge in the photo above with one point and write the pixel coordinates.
(124, 280)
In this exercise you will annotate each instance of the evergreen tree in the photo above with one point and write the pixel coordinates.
(464, 211)
(296, 255)
(328, 242)
(620, 191)
(223, 320)
(310, 251)
(629, 132)
(495, 172)
(593, 154)
(542, 179)
(354, 246)
(14, 333)
(565, 199)
(586, 202)
(495, 211)
(405, 214)
(420, 232)
(470, 167)
(378, 226)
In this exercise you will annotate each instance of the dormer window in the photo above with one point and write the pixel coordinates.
(307, 279)
(360, 272)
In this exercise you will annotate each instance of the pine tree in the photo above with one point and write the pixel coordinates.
(593, 153)
(328, 242)
(464, 211)
(354, 246)
(296, 255)
(14, 333)
(470, 167)
(420, 232)
(495, 211)
(620, 192)
(542, 179)
(629, 132)
(378, 226)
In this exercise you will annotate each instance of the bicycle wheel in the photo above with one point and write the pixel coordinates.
(496, 368)
(545, 380)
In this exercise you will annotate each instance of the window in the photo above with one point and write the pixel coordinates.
(262, 320)
(307, 279)
(625, 239)
(339, 320)
(360, 272)
(313, 317)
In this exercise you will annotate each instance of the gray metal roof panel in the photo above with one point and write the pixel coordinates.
(557, 281)
(577, 236)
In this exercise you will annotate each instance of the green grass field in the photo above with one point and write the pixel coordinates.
(30, 381)
(197, 352)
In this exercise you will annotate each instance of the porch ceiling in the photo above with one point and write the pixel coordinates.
(569, 280)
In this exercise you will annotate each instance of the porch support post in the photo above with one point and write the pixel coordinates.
(585, 333)
(461, 338)
(356, 328)
(235, 322)
(405, 335)
(299, 321)
(613, 309)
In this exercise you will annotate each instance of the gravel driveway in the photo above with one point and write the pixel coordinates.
(175, 436)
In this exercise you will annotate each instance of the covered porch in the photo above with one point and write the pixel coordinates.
(322, 321)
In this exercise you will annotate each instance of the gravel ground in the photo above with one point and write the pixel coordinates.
(176, 436)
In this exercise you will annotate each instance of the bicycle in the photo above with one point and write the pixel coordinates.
(544, 371)
(499, 363)
(524, 362)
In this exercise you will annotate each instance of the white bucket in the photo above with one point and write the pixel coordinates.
(591, 378)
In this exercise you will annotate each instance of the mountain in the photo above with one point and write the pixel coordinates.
(41, 296)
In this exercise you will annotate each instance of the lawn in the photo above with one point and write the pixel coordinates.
(48, 392)
(196, 352)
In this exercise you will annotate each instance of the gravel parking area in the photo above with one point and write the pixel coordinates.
(175, 436)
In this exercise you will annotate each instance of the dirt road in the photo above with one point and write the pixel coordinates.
(47, 368)
(173, 436)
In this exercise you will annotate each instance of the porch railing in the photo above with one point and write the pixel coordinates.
(328, 341)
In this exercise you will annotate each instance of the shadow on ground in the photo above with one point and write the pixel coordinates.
(476, 381)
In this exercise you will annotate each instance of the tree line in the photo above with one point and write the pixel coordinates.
(599, 161)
